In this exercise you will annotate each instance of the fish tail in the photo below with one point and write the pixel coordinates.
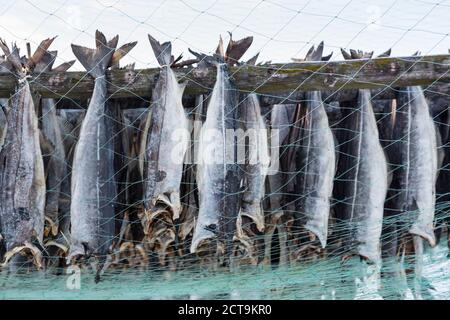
(15, 60)
(97, 60)
(163, 52)
(62, 248)
(46, 61)
(34, 251)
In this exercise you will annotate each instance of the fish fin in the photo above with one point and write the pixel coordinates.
(163, 52)
(387, 53)
(252, 61)
(359, 54)
(174, 61)
(328, 57)
(368, 55)
(13, 60)
(76, 251)
(309, 54)
(255, 213)
(199, 56)
(46, 62)
(35, 252)
(96, 61)
(40, 53)
(220, 50)
(52, 227)
(121, 52)
(236, 49)
(345, 54)
(64, 66)
(317, 55)
(5, 65)
(53, 243)
(202, 234)
(355, 53)
(205, 60)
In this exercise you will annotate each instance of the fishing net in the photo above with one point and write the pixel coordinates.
(272, 253)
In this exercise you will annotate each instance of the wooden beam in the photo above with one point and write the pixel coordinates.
(265, 79)
(432, 92)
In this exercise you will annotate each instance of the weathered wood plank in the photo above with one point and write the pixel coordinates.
(434, 91)
(325, 76)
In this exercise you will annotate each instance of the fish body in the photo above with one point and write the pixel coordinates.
(52, 146)
(93, 188)
(92, 217)
(56, 165)
(167, 138)
(22, 179)
(3, 123)
(442, 185)
(70, 134)
(417, 163)
(219, 175)
(22, 172)
(257, 163)
(366, 183)
(3, 109)
(281, 121)
(316, 165)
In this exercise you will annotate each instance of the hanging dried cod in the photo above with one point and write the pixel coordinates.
(166, 144)
(56, 168)
(93, 187)
(219, 172)
(22, 178)
(168, 135)
(315, 167)
(251, 217)
(416, 161)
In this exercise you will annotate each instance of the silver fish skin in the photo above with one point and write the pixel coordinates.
(417, 161)
(218, 174)
(69, 133)
(144, 127)
(4, 102)
(136, 129)
(317, 168)
(22, 181)
(258, 161)
(57, 165)
(442, 186)
(366, 186)
(3, 126)
(52, 144)
(281, 121)
(114, 121)
(91, 209)
(22, 177)
(92, 216)
(168, 136)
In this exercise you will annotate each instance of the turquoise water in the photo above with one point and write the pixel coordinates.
(319, 280)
